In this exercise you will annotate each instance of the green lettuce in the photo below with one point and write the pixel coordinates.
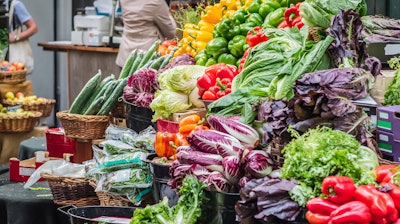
(181, 78)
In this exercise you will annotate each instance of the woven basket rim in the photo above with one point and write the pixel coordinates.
(49, 176)
(13, 72)
(13, 103)
(67, 116)
(33, 114)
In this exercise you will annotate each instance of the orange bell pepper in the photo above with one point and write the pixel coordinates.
(189, 123)
(164, 144)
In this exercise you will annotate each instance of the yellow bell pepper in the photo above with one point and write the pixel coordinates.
(189, 26)
(204, 26)
(229, 4)
(200, 45)
(203, 36)
(247, 3)
(228, 13)
(212, 13)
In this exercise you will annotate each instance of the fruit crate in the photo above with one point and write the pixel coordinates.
(58, 143)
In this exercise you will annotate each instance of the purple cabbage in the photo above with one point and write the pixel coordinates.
(244, 133)
(179, 171)
(206, 140)
(231, 150)
(258, 164)
(244, 180)
(183, 59)
(232, 169)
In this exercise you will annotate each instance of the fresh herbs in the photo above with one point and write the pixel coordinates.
(187, 211)
(392, 94)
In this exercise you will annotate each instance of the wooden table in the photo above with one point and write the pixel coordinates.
(83, 63)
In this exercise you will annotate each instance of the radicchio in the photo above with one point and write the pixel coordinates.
(232, 169)
(206, 140)
(197, 157)
(258, 164)
(246, 134)
(217, 182)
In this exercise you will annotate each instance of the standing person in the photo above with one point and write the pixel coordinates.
(22, 17)
(145, 21)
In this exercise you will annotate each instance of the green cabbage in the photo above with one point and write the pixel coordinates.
(167, 102)
(181, 78)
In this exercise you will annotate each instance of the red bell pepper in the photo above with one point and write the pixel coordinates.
(395, 194)
(255, 36)
(321, 206)
(297, 22)
(315, 218)
(351, 212)
(370, 196)
(339, 189)
(222, 75)
(243, 60)
(392, 214)
(292, 17)
(384, 173)
(283, 24)
(205, 82)
(164, 144)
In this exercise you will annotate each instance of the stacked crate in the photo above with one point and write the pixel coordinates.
(388, 132)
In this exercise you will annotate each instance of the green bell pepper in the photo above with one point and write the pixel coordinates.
(255, 19)
(245, 27)
(268, 7)
(235, 45)
(216, 47)
(239, 16)
(201, 58)
(274, 18)
(227, 59)
(211, 61)
(254, 7)
(223, 27)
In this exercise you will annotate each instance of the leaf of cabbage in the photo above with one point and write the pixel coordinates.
(181, 78)
(167, 102)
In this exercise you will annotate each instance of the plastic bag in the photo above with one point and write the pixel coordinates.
(58, 168)
(113, 147)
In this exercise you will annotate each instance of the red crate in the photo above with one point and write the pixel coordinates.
(58, 144)
(168, 126)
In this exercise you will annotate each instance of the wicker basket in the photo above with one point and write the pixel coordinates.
(83, 126)
(71, 191)
(19, 123)
(44, 107)
(12, 77)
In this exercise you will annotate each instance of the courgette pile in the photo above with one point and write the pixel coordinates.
(98, 96)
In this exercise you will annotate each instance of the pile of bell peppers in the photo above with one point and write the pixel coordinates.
(343, 202)
(292, 17)
(166, 47)
(216, 81)
(196, 36)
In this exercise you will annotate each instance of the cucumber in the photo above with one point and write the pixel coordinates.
(113, 98)
(107, 86)
(110, 88)
(128, 64)
(149, 53)
(95, 106)
(156, 63)
(99, 89)
(166, 60)
(135, 65)
(87, 90)
(152, 59)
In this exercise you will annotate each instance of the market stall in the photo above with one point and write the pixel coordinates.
(263, 112)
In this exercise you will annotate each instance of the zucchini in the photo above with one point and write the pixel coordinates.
(87, 90)
(135, 65)
(95, 106)
(98, 90)
(113, 98)
(128, 64)
(149, 53)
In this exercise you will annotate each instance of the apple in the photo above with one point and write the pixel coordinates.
(19, 95)
(19, 110)
(10, 96)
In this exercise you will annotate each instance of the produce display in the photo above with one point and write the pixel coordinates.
(12, 66)
(283, 136)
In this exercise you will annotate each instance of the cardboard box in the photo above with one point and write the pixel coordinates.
(388, 145)
(58, 143)
(388, 119)
(20, 171)
(178, 116)
(381, 84)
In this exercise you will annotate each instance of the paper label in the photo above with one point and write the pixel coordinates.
(392, 49)
(23, 171)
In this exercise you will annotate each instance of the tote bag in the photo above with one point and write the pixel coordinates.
(20, 51)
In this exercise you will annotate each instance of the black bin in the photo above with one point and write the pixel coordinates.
(86, 214)
(160, 182)
(138, 118)
(219, 208)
